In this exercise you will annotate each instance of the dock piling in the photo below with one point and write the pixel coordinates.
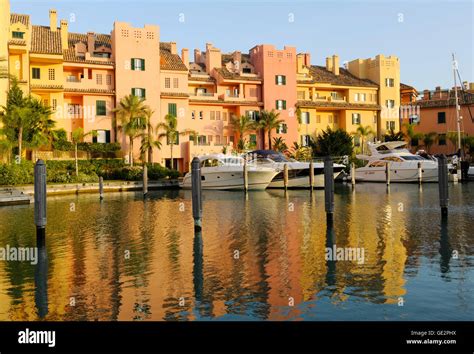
(329, 189)
(443, 185)
(353, 177)
(40, 200)
(420, 174)
(246, 176)
(387, 173)
(285, 176)
(311, 174)
(101, 188)
(145, 180)
(196, 193)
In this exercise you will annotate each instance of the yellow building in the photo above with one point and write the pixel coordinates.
(330, 96)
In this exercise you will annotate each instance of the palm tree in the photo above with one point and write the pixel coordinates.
(279, 144)
(392, 136)
(148, 139)
(428, 140)
(170, 132)
(363, 133)
(132, 111)
(453, 138)
(267, 122)
(78, 136)
(410, 133)
(242, 125)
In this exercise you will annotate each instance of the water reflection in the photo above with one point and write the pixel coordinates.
(260, 256)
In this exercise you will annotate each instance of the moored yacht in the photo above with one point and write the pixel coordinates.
(298, 172)
(226, 172)
(403, 164)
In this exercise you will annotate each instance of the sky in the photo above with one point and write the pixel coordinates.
(422, 33)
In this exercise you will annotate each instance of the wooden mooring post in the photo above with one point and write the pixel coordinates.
(40, 201)
(311, 175)
(329, 189)
(353, 174)
(285, 176)
(443, 185)
(145, 180)
(246, 176)
(196, 193)
(420, 174)
(101, 188)
(387, 174)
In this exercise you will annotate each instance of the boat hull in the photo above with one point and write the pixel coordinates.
(397, 174)
(232, 180)
(298, 176)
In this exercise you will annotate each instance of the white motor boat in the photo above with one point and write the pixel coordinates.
(403, 164)
(298, 172)
(226, 172)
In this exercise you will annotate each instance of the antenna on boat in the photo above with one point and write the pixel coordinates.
(458, 117)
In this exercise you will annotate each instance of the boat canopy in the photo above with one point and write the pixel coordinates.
(386, 147)
(267, 154)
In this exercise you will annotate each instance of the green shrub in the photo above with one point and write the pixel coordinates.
(12, 174)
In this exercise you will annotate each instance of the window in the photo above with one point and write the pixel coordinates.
(389, 82)
(209, 138)
(390, 125)
(280, 80)
(55, 104)
(304, 117)
(212, 115)
(175, 82)
(138, 64)
(172, 109)
(282, 129)
(36, 73)
(390, 103)
(193, 115)
(52, 74)
(305, 140)
(362, 97)
(18, 35)
(441, 139)
(103, 136)
(139, 92)
(441, 117)
(218, 115)
(355, 118)
(224, 116)
(201, 114)
(108, 79)
(330, 119)
(280, 104)
(167, 82)
(98, 79)
(253, 115)
(201, 140)
(100, 108)
(247, 70)
(356, 97)
(218, 140)
(253, 139)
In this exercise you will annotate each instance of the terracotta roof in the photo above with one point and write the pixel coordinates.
(44, 41)
(344, 105)
(100, 39)
(321, 75)
(227, 57)
(24, 19)
(70, 56)
(47, 87)
(227, 102)
(170, 61)
(174, 94)
(205, 79)
(465, 98)
(96, 91)
(17, 42)
(226, 74)
(406, 87)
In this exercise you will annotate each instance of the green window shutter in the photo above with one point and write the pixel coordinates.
(107, 136)
(133, 63)
(133, 92)
(284, 80)
(144, 93)
(276, 79)
(177, 139)
(172, 109)
(276, 104)
(284, 104)
(94, 139)
(100, 108)
(143, 64)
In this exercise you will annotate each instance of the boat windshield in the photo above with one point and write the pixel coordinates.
(412, 158)
(272, 155)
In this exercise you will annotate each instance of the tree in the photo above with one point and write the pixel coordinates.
(242, 125)
(363, 133)
(78, 136)
(132, 112)
(428, 140)
(300, 153)
(392, 136)
(410, 133)
(279, 144)
(269, 121)
(332, 143)
(149, 141)
(171, 133)
(3, 68)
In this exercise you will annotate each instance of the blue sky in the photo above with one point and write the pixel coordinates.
(422, 33)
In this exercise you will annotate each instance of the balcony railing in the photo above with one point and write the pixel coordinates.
(72, 79)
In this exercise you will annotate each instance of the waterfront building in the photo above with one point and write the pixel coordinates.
(83, 77)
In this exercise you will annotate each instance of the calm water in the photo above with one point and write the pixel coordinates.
(260, 257)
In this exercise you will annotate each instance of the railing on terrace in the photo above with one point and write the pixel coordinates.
(72, 79)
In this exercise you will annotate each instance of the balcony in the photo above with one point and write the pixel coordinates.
(203, 96)
(74, 83)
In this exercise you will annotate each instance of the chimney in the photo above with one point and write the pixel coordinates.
(53, 20)
(426, 94)
(90, 42)
(173, 48)
(299, 62)
(328, 64)
(185, 56)
(197, 56)
(335, 65)
(64, 34)
(237, 57)
(208, 46)
(307, 59)
(471, 86)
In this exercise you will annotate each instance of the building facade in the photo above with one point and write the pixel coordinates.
(83, 77)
